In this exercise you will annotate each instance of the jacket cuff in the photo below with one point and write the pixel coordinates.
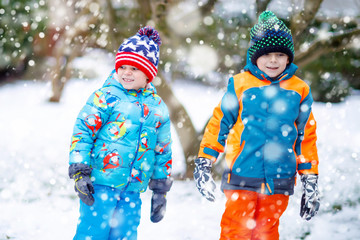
(209, 154)
(79, 167)
(160, 185)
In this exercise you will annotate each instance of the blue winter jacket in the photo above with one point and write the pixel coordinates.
(124, 136)
(269, 131)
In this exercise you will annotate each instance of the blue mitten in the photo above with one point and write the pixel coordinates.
(204, 181)
(158, 201)
(83, 186)
(310, 201)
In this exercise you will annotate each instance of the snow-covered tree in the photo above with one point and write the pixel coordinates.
(21, 23)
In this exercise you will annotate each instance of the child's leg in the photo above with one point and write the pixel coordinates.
(269, 210)
(126, 218)
(238, 219)
(94, 221)
(250, 215)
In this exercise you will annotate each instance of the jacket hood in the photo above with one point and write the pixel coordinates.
(111, 81)
(288, 72)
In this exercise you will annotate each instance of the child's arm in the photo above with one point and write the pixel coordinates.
(224, 117)
(160, 182)
(87, 125)
(305, 146)
(163, 153)
(308, 161)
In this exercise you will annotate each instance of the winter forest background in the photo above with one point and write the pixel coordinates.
(53, 54)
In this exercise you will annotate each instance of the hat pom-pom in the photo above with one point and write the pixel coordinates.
(151, 33)
(266, 16)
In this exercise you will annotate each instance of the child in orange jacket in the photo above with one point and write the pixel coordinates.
(266, 121)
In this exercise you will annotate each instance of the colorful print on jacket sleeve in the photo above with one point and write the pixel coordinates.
(163, 158)
(90, 119)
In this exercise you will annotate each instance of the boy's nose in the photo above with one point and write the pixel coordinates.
(273, 58)
(127, 71)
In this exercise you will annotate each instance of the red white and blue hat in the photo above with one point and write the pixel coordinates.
(141, 51)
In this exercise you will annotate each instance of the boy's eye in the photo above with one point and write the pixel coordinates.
(134, 69)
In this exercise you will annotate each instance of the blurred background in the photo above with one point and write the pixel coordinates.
(54, 53)
(203, 41)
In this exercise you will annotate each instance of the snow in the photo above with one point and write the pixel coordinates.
(37, 200)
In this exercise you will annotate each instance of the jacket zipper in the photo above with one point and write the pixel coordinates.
(138, 144)
(266, 184)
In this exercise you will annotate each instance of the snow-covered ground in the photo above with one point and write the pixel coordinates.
(37, 201)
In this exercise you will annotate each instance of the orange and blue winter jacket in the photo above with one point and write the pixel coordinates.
(268, 130)
(124, 136)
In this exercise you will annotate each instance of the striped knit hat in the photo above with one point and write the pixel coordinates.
(141, 51)
(270, 35)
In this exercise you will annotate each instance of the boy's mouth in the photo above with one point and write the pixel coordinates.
(127, 80)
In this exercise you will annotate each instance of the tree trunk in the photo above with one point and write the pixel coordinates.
(188, 136)
(59, 78)
(62, 70)
(261, 6)
(70, 45)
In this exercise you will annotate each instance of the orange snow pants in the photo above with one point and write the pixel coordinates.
(252, 216)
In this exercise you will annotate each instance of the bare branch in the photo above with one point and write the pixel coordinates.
(335, 43)
(70, 45)
(300, 21)
(111, 20)
(208, 7)
(159, 13)
(261, 6)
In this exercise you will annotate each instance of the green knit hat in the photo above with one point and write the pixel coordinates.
(270, 35)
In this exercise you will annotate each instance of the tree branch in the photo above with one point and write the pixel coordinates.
(320, 47)
(208, 7)
(111, 21)
(261, 6)
(300, 21)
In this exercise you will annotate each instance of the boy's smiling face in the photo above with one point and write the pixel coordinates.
(273, 64)
(131, 77)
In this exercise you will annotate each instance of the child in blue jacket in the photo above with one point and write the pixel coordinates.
(121, 144)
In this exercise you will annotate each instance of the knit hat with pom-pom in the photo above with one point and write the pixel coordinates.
(141, 51)
(270, 35)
